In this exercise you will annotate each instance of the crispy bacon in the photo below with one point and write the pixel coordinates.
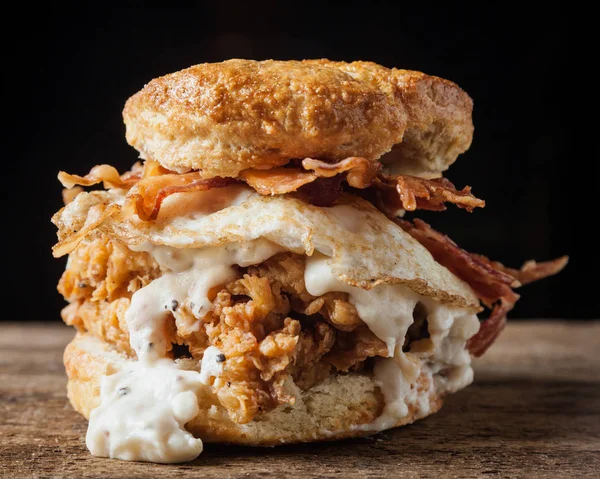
(531, 270)
(360, 172)
(392, 192)
(490, 329)
(320, 182)
(106, 174)
(411, 193)
(153, 183)
(277, 181)
(151, 192)
(491, 281)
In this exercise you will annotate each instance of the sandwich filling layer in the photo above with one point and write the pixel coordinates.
(261, 320)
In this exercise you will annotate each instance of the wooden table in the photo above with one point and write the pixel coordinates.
(533, 411)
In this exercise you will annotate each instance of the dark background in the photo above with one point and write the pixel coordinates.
(76, 65)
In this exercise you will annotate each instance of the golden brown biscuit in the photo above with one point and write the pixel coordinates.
(330, 410)
(226, 117)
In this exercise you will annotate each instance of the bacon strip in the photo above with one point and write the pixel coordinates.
(106, 174)
(392, 192)
(151, 191)
(490, 329)
(277, 181)
(155, 183)
(491, 281)
(531, 270)
(411, 193)
(360, 171)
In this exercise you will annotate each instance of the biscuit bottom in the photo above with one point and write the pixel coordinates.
(340, 407)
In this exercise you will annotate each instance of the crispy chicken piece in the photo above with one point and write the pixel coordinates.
(104, 269)
(267, 325)
(100, 278)
(104, 319)
(353, 348)
(286, 270)
(315, 342)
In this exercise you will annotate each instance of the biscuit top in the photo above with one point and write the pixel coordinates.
(223, 118)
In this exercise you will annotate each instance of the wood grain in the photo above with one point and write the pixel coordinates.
(533, 411)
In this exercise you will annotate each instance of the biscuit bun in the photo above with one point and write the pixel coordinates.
(330, 410)
(223, 118)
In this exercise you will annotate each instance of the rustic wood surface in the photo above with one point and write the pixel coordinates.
(533, 411)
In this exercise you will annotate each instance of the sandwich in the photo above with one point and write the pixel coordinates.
(260, 275)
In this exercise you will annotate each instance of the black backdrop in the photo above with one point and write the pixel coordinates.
(76, 65)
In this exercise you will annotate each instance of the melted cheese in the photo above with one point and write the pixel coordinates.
(397, 379)
(143, 410)
(388, 311)
(190, 274)
(212, 364)
(142, 413)
(449, 328)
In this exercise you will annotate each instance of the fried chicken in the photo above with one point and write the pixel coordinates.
(267, 325)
